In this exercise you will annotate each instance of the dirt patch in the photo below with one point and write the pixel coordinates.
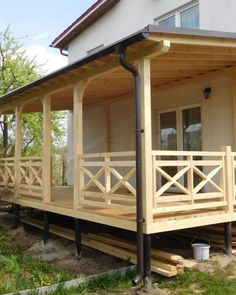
(217, 262)
(59, 252)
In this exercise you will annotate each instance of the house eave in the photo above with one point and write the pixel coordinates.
(82, 23)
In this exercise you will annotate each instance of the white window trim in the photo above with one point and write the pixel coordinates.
(177, 12)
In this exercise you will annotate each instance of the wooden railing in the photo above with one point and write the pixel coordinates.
(188, 180)
(30, 177)
(7, 174)
(108, 180)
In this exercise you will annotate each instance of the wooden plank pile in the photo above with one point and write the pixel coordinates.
(163, 263)
(214, 234)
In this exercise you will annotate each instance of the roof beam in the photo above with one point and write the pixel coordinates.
(194, 40)
(229, 72)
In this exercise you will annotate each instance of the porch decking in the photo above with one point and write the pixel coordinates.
(106, 190)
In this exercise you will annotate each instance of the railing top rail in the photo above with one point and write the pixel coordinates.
(7, 159)
(188, 153)
(31, 158)
(111, 154)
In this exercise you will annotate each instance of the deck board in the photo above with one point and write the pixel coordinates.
(62, 203)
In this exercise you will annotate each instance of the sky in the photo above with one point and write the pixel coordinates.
(37, 23)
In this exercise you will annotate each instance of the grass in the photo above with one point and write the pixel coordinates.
(219, 282)
(19, 272)
(107, 284)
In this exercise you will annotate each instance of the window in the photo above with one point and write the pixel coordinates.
(168, 22)
(189, 18)
(185, 17)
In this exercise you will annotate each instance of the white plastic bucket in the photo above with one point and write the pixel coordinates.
(201, 251)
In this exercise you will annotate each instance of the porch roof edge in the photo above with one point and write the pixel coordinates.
(132, 39)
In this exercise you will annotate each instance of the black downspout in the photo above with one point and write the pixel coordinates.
(63, 53)
(139, 187)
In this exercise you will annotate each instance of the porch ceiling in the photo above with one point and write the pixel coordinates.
(191, 57)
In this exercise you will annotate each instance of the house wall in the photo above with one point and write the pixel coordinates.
(125, 19)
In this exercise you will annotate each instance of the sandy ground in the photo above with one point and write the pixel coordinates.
(60, 252)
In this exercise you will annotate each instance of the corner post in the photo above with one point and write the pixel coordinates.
(147, 179)
(146, 116)
(18, 139)
(46, 164)
(78, 94)
(229, 186)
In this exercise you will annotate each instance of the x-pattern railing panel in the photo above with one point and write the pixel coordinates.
(7, 172)
(30, 176)
(108, 179)
(198, 178)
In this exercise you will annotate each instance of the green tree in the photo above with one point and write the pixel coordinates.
(16, 70)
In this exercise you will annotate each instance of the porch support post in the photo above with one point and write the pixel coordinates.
(46, 173)
(146, 116)
(228, 238)
(147, 179)
(78, 238)
(45, 227)
(107, 127)
(234, 108)
(78, 93)
(229, 189)
(18, 139)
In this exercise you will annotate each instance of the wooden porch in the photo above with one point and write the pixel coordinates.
(202, 189)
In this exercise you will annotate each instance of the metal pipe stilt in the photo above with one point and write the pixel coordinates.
(228, 238)
(147, 284)
(78, 238)
(45, 227)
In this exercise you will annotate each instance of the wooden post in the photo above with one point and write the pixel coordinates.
(234, 108)
(46, 173)
(190, 179)
(107, 127)
(78, 93)
(148, 194)
(18, 138)
(229, 186)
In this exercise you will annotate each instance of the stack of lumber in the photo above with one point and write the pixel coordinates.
(214, 234)
(163, 263)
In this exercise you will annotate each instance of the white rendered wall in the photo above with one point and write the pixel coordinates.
(126, 18)
(129, 16)
(219, 15)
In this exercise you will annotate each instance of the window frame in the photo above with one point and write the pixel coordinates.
(177, 14)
